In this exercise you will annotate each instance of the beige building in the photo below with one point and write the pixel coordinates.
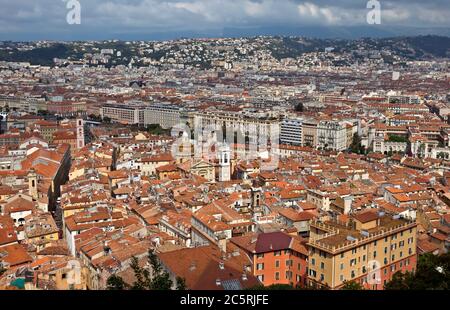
(309, 133)
(367, 248)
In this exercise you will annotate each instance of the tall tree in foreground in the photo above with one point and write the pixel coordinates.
(352, 286)
(433, 273)
(153, 277)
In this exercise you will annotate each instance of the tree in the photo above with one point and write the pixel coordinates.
(395, 138)
(181, 284)
(400, 281)
(352, 285)
(441, 155)
(356, 145)
(299, 107)
(115, 282)
(139, 283)
(433, 273)
(153, 278)
(161, 279)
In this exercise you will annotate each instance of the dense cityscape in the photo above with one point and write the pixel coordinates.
(225, 164)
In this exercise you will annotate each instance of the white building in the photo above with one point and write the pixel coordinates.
(291, 132)
(332, 135)
(224, 163)
(166, 115)
(128, 114)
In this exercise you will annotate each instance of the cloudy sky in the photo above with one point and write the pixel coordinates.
(161, 19)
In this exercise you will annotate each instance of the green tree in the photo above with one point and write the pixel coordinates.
(161, 279)
(433, 273)
(395, 138)
(181, 284)
(153, 278)
(356, 145)
(299, 107)
(139, 283)
(352, 286)
(115, 282)
(400, 281)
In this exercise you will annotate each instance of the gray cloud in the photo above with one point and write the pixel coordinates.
(102, 18)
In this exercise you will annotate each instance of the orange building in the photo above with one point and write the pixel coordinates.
(278, 258)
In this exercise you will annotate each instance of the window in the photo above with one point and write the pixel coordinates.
(401, 254)
(353, 274)
(364, 258)
(385, 260)
(375, 243)
(277, 275)
(277, 264)
(277, 253)
(322, 265)
(322, 277)
(299, 267)
(354, 251)
(313, 261)
(260, 266)
(342, 266)
(342, 255)
(374, 254)
(341, 278)
(409, 251)
(260, 255)
(261, 278)
(393, 268)
(385, 250)
(393, 257)
(64, 276)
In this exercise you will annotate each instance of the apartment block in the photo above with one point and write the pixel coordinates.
(367, 248)
(291, 132)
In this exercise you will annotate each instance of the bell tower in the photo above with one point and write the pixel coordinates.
(80, 133)
(32, 184)
(224, 163)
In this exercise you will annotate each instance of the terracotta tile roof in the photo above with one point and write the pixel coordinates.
(201, 268)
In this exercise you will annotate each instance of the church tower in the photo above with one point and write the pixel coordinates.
(224, 163)
(32, 184)
(80, 133)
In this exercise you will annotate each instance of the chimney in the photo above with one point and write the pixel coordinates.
(223, 245)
